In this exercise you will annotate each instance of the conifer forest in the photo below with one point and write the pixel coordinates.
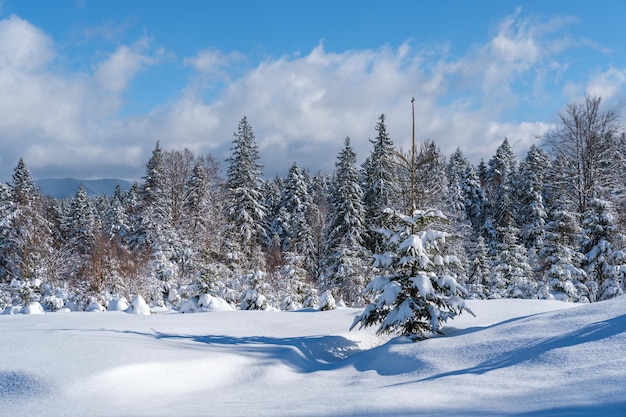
(404, 224)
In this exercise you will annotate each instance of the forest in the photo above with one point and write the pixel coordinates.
(550, 226)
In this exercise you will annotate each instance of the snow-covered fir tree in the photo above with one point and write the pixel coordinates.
(560, 257)
(347, 259)
(116, 222)
(80, 226)
(474, 199)
(319, 190)
(27, 254)
(431, 182)
(459, 224)
(478, 271)
(244, 208)
(380, 183)
(604, 262)
(296, 202)
(501, 172)
(456, 172)
(409, 297)
(530, 192)
(511, 275)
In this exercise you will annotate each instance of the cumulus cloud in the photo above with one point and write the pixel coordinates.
(23, 47)
(55, 120)
(301, 107)
(116, 72)
(607, 84)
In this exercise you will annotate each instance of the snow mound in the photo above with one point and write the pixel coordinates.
(138, 306)
(118, 304)
(10, 310)
(33, 308)
(94, 307)
(205, 303)
(211, 303)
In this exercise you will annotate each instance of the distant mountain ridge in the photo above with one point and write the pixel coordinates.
(66, 187)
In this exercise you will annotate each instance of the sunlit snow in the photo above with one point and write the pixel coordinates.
(515, 358)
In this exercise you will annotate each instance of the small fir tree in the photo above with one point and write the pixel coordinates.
(410, 297)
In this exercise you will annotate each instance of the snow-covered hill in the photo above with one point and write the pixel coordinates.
(516, 358)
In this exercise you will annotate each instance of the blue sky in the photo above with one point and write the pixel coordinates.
(87, 87)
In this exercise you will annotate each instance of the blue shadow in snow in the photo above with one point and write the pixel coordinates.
(308, 353)
(305, 354)
(17, 384)
(590, 333)
(614, 409)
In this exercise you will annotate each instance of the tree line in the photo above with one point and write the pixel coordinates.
(551, 225)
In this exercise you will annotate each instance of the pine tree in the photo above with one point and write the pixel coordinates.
(456, 172)
(133, 208)
(347, 258)
(474, 199)
(245, 211)
(24, 191)
(431, 182)
(512, 276)
(530, 190)
(560, 259)
(154, 178)
(478, 269)
(410, 297)
(81, 222)
(296, 202)
(116, 222)
(604, 263)
(27, 254)
(501, 172)
(319, 216)
(380, 183)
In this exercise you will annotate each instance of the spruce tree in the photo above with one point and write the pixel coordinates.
(347, 259)
(380, 183)
(501, 172)
(81, 222)
(474, 199)
(560, 258)
(512, 276)
(456, 172)
(530, 191)
(27, 254)
(431, 182)
(478, 268)
(411, 297)
(245, 211)
(297, 201)
(604, 262)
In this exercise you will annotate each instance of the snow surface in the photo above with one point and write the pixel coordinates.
(516, 358)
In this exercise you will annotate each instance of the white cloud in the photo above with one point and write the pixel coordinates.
(23, 47)
(301, 107)
(607, 84)
(117, 71)
(211, 61)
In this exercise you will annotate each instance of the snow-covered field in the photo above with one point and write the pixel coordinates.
(516, 358)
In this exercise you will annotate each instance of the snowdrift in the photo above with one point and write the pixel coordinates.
(516, 358)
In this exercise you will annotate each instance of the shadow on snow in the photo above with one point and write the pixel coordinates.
(307, 353)
(590, 333)
(17, 384)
